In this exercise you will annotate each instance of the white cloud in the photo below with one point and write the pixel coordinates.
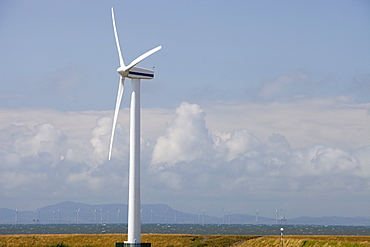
(214, 155)
(362, 156)
(45, 138)
(240, 163)
(38, 159)
(333, 121)
(240, 142)
(100, 139)
(187, 138)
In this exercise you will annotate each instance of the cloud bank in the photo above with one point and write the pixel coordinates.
(202, 159)
(191, 156)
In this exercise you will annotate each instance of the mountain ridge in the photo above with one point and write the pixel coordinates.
(69, 212)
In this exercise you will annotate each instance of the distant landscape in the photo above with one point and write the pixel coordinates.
(81, 213)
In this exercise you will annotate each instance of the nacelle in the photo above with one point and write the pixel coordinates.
(140, 73)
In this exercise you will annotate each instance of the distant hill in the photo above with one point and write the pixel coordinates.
(82, 213)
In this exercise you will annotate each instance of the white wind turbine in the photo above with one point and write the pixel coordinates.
(135, 74)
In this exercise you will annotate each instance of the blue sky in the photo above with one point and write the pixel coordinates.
(269, 91)
(212, 50)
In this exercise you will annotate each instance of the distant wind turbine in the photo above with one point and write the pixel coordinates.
(108, 217)
(203, 213)
(151, 216)
(101, 216)
(223, 216)
(16, 216)
(135, 74)
(277, 216)
(118, 215)
(166, 215)
(58, 216)
(78, 216)
(95, 218)
(229, 216)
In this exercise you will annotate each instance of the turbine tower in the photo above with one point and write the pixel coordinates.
(135, 74)
(16, 216)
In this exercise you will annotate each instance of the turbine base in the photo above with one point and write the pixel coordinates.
(133, 244)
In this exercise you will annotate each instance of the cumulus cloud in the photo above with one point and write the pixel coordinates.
(100, 140)
(41, 158)
(239, 142)
(44, 138)
(330, 121)
(238, 161)
(187, 138)
(217, 154)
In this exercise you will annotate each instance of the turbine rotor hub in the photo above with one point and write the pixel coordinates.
(122, 71)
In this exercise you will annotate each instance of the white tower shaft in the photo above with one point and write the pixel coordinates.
(135, 74)
(134, 227)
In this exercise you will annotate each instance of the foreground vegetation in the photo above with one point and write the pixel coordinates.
(310, 240)
(172, 240)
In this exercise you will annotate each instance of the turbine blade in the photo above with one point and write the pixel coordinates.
(121, 62)
(118, 103)
(142, 57)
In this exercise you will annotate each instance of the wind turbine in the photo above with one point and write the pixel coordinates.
(58, 216)
(166, 214)
(101, 216)
(118, 215)
(78, 216)
(229, 216)
(223, 216)
(135, 74)
(108, 217)
(95, 216)
(16, 216)
(151, 216)
(203, 214)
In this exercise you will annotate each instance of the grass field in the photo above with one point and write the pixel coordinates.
(172, 240)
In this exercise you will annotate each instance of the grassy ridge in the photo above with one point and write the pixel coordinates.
(172, 240)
